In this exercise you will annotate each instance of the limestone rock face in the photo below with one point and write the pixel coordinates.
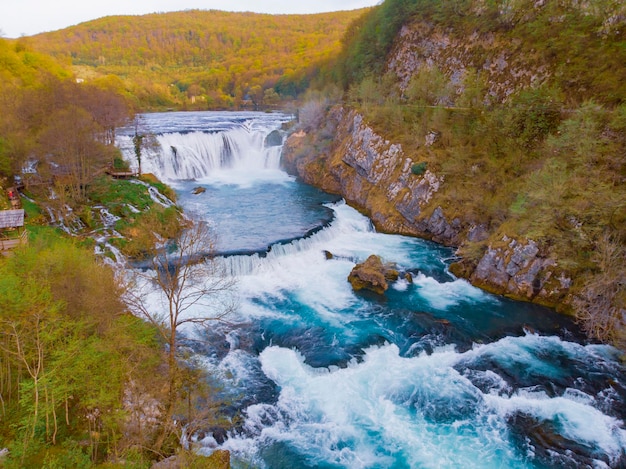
(519, 269)
(440, 229)
(372, 275)
(422, 46)
(371, 156)
(374, 175)
(369, 171)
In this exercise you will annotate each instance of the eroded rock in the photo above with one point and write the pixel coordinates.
(373, 275)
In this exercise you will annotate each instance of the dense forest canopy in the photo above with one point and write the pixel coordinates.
(51, 118)
(203, 59)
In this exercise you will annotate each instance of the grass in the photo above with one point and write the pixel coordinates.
(117, 194)
(140, 217)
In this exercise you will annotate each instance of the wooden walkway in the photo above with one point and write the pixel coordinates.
(120, 174)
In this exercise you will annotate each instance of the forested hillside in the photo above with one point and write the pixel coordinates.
(511, 125)
(47, 114)
(202, 59)
(78, 372)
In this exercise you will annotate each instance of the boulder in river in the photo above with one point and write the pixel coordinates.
(198, 190)
(372, 275)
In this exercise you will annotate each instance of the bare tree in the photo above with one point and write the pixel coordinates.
(143, 140)
(193, 288)
(72, 148)
(109, 109)
(600, 306)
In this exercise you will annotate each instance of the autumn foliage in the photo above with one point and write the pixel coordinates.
(203, 59)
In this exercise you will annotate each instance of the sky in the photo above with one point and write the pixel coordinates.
(28, 17)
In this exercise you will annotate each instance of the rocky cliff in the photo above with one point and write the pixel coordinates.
(375, 176)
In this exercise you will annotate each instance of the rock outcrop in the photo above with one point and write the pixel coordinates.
(520, 269)
(372, 275)
(422, 45)
(374, 175)
(219, 459)
(274, 139)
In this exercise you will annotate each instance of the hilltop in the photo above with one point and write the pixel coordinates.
(200, 59)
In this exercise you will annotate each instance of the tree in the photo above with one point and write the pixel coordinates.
(429, 87)
(108, 108)
(138, 144)
(142, 140)
(193, 288)
(72, 147)
(67, 348)
(28, 327)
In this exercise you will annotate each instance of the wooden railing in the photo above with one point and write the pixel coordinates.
(11, 243)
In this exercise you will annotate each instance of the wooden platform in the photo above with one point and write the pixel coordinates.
(10, 219)
(120, 174)
(12, 233)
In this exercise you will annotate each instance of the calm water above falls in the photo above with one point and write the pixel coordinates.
(434, 374)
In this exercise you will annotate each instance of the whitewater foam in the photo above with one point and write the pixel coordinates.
(390, 411)
(227, 156)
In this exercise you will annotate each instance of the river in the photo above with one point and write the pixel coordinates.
(434, 374)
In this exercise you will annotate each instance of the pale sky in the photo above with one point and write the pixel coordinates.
(28, 17)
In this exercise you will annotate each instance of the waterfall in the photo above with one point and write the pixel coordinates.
(198, 154)
(347, 224)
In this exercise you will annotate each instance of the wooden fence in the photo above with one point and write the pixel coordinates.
(6, 244)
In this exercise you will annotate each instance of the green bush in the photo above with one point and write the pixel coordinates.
(419, 168)
(119, 164)
(535, 113)
(429, 87)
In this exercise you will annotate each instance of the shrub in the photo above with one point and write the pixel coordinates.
(119, 164)
(535, 113)
(419, 168)
(601, 302)
(429, 87)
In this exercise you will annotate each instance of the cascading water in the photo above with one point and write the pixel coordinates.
(227, 144)
(434, 374)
